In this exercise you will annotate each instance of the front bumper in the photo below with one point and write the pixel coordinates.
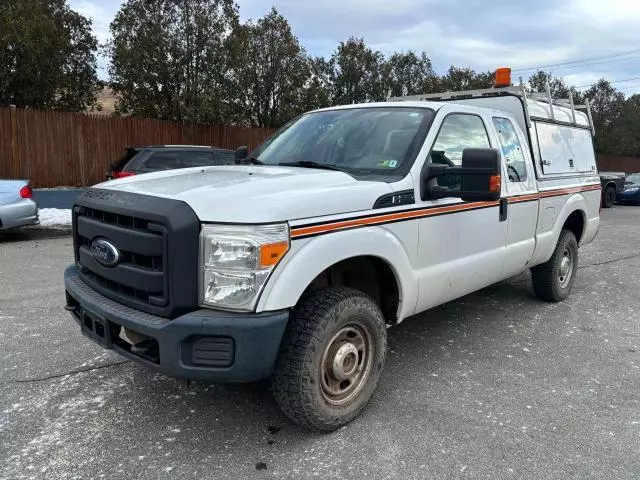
(206, 345)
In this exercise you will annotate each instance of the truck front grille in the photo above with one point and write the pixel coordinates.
(140, 275)
(157, 242)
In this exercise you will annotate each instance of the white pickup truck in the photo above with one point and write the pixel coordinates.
(291, 265)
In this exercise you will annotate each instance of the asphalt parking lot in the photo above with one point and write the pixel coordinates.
(495, 385)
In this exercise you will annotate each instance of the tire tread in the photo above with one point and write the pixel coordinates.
(544, 278)
(293, 390)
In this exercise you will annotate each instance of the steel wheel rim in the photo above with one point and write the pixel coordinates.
(346, 364)
(565, 271)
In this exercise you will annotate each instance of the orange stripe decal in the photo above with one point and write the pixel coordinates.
(337, 225)
(387, 217)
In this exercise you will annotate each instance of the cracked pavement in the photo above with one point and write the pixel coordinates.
(494, 385)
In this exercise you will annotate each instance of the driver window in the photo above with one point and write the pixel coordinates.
(511, 150)
(458, 131)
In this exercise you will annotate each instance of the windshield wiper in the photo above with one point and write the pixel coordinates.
(251, 160)
(310, 164)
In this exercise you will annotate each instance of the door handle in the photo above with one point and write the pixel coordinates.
(504, 205)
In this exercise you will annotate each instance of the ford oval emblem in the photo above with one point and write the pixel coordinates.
(105, 252)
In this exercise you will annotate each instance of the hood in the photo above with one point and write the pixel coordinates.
(257, 194)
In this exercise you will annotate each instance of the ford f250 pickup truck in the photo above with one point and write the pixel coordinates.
(292, 264)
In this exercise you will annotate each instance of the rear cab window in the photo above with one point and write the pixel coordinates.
(511, 148)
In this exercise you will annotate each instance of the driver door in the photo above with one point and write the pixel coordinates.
(461, 244)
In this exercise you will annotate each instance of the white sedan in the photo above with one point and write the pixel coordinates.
(17, 207)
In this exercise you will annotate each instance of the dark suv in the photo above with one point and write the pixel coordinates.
(167, 157)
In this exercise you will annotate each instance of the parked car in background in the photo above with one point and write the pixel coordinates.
(17, 207)
(155, 158)
(612, 184)
(631, 191)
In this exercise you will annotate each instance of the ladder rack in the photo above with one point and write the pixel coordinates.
(518, 90)
(465, 94)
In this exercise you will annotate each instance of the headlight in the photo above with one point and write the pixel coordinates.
(630, 188)
(236, 261)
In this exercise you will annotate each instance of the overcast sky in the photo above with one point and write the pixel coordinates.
(476, 33)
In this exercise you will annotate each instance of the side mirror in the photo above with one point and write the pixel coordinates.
(479, 174)
(241, 153)
(481, 186)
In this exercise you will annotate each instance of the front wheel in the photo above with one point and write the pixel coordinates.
(330, 358)
(553, 280)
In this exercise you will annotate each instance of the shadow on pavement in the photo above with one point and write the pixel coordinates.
(26, 234)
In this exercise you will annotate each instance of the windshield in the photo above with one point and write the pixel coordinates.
(377, 140)
(634, 178)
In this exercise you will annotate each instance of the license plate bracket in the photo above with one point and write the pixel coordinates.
(96, 328)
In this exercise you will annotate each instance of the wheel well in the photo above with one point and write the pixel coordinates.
(371, 275)
(575, 224)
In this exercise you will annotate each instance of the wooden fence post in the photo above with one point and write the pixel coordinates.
(15, 161)
(80, 121)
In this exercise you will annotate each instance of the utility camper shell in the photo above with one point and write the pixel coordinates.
(559, 132)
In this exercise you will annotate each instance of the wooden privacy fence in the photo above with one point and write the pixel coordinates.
(613, 163)
(72, 149)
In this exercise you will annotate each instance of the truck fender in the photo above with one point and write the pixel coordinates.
(546, 241)
(310, 257)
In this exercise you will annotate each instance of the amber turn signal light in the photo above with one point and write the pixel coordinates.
(271, 253)
(494, 183)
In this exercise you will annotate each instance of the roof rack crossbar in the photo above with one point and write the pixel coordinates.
(449, 95)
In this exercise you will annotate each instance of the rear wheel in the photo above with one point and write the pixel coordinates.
(609, 197)
(553, 280)
(330, 358)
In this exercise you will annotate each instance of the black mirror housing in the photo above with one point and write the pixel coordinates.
(479, 187)
(480, 178)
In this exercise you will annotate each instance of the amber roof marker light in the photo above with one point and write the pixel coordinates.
(502, 77)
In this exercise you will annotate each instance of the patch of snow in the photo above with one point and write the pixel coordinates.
(55, 217)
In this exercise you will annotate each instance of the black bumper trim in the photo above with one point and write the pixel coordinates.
(256, 336)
